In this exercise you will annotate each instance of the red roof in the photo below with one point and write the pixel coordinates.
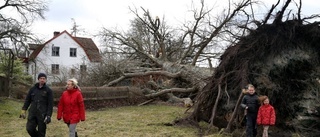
(87, 45)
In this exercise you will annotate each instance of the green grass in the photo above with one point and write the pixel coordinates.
(129, 121)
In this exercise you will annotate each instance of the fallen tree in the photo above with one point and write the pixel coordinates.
(152, 50)
(282, 59)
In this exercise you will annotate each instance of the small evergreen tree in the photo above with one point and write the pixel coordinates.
(18, 72)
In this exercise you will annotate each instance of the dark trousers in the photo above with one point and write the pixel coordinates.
(251, 129)
(32, 124)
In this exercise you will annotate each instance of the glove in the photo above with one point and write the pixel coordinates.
(23, 114)
(47, 120)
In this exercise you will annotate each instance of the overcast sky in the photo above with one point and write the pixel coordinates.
(91, 15)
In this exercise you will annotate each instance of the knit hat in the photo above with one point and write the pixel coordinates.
(42, 75)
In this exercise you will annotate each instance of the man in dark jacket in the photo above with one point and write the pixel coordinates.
(40, 98)
(250, 103)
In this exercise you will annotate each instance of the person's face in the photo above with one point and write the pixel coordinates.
(251, 90)
(266, 101)
(42, 80)
(69, 85)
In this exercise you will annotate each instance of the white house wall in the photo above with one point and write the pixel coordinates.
(45, 59)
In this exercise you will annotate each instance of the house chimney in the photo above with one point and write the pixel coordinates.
(56, 33)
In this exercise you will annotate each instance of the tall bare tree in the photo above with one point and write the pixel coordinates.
(15, 19)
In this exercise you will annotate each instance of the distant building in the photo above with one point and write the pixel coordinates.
(62, 57)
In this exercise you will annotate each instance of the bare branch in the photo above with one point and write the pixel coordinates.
(190, 47)
(130, 75)
(279, 15)
(228, 17)
(15, 29)
(172, 90)
(270, 12)
(299, 10)
(214, 109)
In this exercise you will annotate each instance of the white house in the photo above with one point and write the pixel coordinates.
(62, 57)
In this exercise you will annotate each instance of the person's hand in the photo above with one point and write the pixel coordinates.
(47, 120)
(23, 114)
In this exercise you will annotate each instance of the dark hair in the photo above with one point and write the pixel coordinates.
(42, 75)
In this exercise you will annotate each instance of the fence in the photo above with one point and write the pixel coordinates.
(94, 97)
(96, 93)
(100, 97)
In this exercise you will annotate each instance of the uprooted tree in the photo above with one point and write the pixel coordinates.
(281, 58)
(279, 55)
(151, 49)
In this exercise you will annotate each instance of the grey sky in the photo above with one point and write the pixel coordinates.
(91, 15)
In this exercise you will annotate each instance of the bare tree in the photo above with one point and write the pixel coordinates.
(15, 19)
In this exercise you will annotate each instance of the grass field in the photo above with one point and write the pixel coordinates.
(129, 121)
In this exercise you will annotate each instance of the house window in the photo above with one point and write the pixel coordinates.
(27, 70)
(32, 69)
(83, 68)
(73, 52)
(55, 68)
(55, 51)
(73, 72)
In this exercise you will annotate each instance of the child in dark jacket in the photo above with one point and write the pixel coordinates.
(250, 103)
(266, 115)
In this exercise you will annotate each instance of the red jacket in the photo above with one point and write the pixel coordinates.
(71, 106)
(266, 115)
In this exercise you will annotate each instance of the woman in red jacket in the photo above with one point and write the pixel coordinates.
(266, 115)
(71, 107)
